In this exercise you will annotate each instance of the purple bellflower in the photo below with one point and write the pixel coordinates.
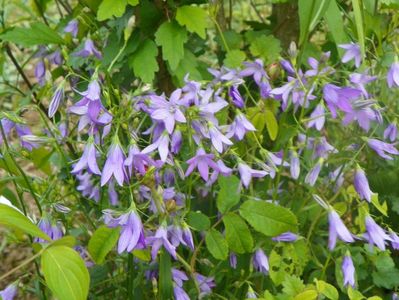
(55, 101)
(362, 185)
(203, 162)
(138, 161)
(240, 127)
(162, 144)
(286, 237)
(393, 75)
(114, 164)
(40, 72)
(89, 49)
(161, 239)
(218, 139)
(352, 52)
(88, 159)
(375, 234)
(313, 174)
(295, 164)
(53, 231)
(112, 193)
(317, 118)
(246, 173)
(339, 98)
(383, 149)
(394, 240)
(254, 69)
(338, 229)
(236, 97)
(176, 141)
(261, 262)
(348, 271)
(233, 260)
(363, 113)
(72, 28)
(206, 284)
(9, 292)
(391, 132)
(360, 80)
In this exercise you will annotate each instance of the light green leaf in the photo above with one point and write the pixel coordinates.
(326, 289)
(144, 61)
(216, 244)
(194, 18)
(357, 10)
(238, 236)
(110, 8)
(292, 285)
(229, 194)
(65, 273)
(271, 124)
(335, 23)
(354, 294)
(234, 58)
(266, 47)
(382, 207)
(171, 37)
(307, 295)
(37, 34)
(198, 221)
(165, 275)
(68, 241)
(11, 217)
(102, 242)
(267, 218)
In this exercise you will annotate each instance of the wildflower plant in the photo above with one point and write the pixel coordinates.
(160, 150)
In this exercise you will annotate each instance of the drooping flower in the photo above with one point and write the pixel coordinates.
(348, 271)
(205, 284)
(9, 292)
(87, 187)
(114, 164)
(203, 162)
(88, 160)
(382, 148)
(362, 185)
(317, 117)
(89, 49)
(55, 102)
(294, 164)
(254, 69)
(168, 112)
(261, 262)
(218, 139)
(233, 260)
(394, 240)
(363, 112)
(27, 139)
(246, 173)
(161, 239)
(132, 231)
(352, 52)
(40, 72)
(138, 161)
(56, 58)
(236, 97)
(112, 194)
(286, 237)
(375, 234)
(54, 231)
(338, 229)
(313, 174)
(393, 75)
(360, 80)
(72, 27)
(180, 293)
(339, 98)
(391, 132)
(240, 127)
(162, 144)
(176, 141)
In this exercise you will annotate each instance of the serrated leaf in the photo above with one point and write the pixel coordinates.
(266, 47)
(171, 37)
(292, 285)
(65, 273)
(326, 289)
(198, 221)
(144, 61)
(238, 236)
(112, 8)
(268, 218)
(271, 124)
(194, 18)
(102, 242)
(234, 58)
(13, 218)
(37, 34)
(229, 194)
(216, 244)
(307, 295)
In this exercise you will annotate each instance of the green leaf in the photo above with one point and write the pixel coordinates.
(37, 34)
(238, 236)
(354, 294)
(271, 124)
(11, 217)
(357, 10)
(292, 285)
(165, 275)
(382, 207)
(68, 241)
(335, 23)
(326, 289)
(267, 218)
(266, 47)
(198, 221)
(171, 37)
(307, 295)
(110, 8)
(194, 18)
(102, 242)
(310, 12)
(144, 61)
(234, 58)
(229, 194)
(65, 273)
(216, 244)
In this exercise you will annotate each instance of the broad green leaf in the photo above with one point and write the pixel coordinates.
(382, 207)
(310, 12)
(307, 295)
(357, 10)
(271, 124)
(171, 37)
(194, 18)
(110, 8)
(354, 294)
(144, 61)
(238, 236)
(198, 221)
(229, 194)
(165, 275)
(267, 218)
(13, 218)
(102, 242)
(65, 273)
(187, 65)
(37, 34)
(144, 255)
(234, 58)
(266, 47)
(335, 23)
(68, 241)
(292, 285)
(326, 289)
(216, 244)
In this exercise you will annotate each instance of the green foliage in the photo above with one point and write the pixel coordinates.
(266, 47)
(144, 61)
(234, 58)
(193, 18)
(198, 221)
(238, 236)
(65, 273)
(110, 8)
(102, 242)
(229, 194)
(216, 244)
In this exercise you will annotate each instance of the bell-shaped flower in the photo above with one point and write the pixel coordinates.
(114, 164)
(203, 162)
(348, 271)
(337, 228)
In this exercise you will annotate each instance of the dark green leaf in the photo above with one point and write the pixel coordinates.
(229, 194)
(216, 244)
(238, 236)
(165, 276)
(198, 221)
